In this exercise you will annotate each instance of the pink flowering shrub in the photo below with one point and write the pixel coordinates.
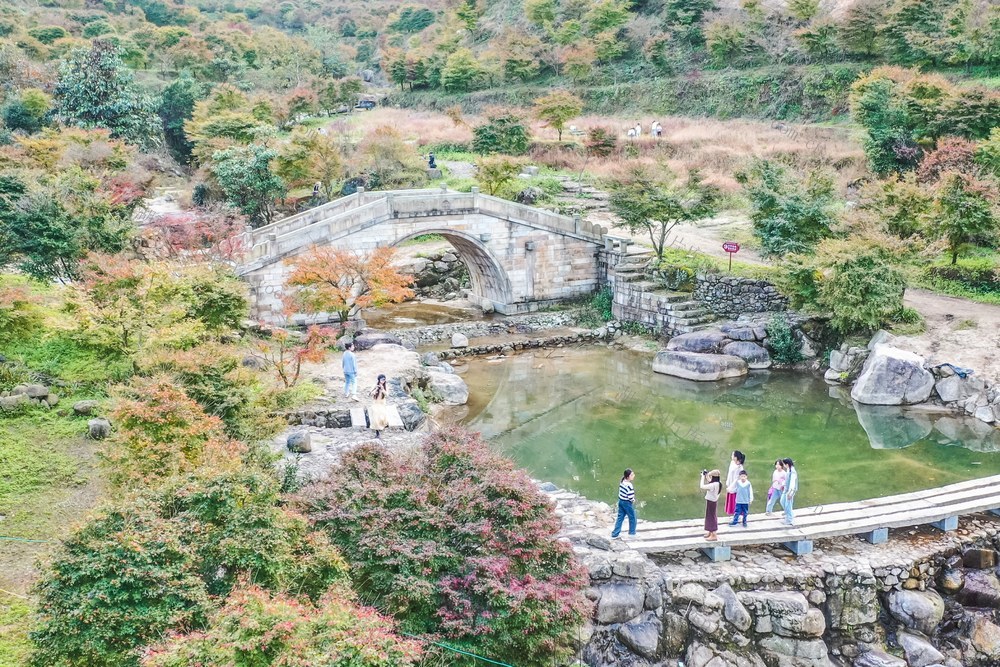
(263, 629)
(454, 541)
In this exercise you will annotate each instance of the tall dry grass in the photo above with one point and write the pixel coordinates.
(717, 148)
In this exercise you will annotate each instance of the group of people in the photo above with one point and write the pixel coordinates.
(378, 412)
(655, 130)
(738, 490)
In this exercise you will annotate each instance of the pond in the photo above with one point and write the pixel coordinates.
(578, 416)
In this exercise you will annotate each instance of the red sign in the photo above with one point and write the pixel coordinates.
(731, 246)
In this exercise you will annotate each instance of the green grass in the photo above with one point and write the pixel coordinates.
(974, 260)
(700, 262)
(15, 621)
(57, 355)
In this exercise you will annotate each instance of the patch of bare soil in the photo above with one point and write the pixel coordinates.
(960, 332)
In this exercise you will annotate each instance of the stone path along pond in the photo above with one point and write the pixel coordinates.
(578, 416)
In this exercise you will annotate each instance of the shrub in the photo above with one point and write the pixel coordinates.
(597, 311)
(258, 628)
(454, 540)
(788, 215)
(952, 154)
(150, 566)
(601, 142)
(784, 348)
(503, 133)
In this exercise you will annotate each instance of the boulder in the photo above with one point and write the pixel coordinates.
(369, 339)
(447, 388)
(979, 559)
(701, 655)
(411, 414)
(787, 652)
(739, 332)
(13, 402)
(31, 390)
(733, 610)
(52, 400)
(619, 603)
(708, 341)
(756, 356)
(643, 638)
(848, 607)
(98, 429)
(893, 377)
(888, 427)
(878, 659)
(951, 580)
(918, 651)
(981, 589)
(881, 337)
(700, 367)
(953, 388)
(299, 442)
(430, 359)
(459, 340)
(985, 636)
(690, 593)
(917, 610)
(674, 636)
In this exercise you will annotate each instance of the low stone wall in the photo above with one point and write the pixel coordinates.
(730, 296)
(508, 348)
(519, 324)
(928, 596)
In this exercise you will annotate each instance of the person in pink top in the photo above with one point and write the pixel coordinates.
(777, 485)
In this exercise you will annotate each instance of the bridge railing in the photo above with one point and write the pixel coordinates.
(330, 221)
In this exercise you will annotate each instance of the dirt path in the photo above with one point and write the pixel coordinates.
(961, 332)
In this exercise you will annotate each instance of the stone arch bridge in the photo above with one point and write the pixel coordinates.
(519, 257)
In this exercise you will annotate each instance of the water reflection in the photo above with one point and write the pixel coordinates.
(577, 417)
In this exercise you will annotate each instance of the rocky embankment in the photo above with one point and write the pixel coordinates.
(923, 599)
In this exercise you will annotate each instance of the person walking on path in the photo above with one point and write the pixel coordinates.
(777, 485)
(744, 496)
(791, 488)
(735, 465)
(711, 484)
(626, 505)
(350, 364)
(378, 413)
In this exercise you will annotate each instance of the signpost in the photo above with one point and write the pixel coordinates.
(731, 247)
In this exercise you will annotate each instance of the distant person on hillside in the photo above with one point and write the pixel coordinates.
(350, 365)
(631, 133)
(777, 485)
(638, 129)
(791, 488)
(657, 129)
(626, 505)
(378, 413)
(431, 164)
(735, 465)
(744, 496)
(711, 484)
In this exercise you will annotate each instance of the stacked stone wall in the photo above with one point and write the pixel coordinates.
(730, 296)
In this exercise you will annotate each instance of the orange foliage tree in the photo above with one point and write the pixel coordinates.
(285, 351)
(331, 280)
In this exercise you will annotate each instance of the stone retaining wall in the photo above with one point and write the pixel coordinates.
(494, 327)
(516, 346)
(923, 598)
(730, 296)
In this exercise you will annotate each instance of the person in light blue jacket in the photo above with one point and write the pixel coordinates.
(791, 488)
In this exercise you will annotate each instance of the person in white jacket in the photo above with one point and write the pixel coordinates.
(791, 488)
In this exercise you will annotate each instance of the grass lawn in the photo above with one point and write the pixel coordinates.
(976, 276)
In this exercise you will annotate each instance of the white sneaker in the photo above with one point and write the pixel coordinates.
(355, 399)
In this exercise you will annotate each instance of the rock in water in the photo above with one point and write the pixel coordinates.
(300, 442)
(446, 387)
(430, 359)
(459, 340)
(919, 652)
(888, 427)
(98, 429)
(707, 341)
(893, 377)
(756, 356)
(701, 367)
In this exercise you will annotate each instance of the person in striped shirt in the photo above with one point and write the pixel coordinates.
(626, 505)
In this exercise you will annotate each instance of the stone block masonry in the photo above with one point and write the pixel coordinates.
(729, 296)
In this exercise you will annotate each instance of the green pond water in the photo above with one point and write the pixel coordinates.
(578, 416)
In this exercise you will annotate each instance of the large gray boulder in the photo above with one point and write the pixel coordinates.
(981, 589)
(701, 367)
(878, 659)
(888, 427)
(953, 388)
(411, 414)
(369, 339)
(918, 651)
(98, 429)
(299, 442)
(893, 377)
(985, 636)
(619, 603)
(459, 340)
(13, 402)
(917, 610)
(788, 652)
(448, 388)
(756, 356)
(733, 610)
(709, 341)
(85, 407)
(643, 637)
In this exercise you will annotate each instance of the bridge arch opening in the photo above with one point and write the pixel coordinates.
(487, 277)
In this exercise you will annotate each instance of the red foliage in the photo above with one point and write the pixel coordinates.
(123, 190)
(952, 154)
(286, 351)
(456, 541)
(202, 235)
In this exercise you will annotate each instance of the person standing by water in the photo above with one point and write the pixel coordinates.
(791, 488)
(777, 485)
(378, 413)
(744, 496)
(711, 484)
(350, 365)
(626, 505)
(735, 465)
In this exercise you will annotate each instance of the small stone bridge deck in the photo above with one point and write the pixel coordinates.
(870, 519)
